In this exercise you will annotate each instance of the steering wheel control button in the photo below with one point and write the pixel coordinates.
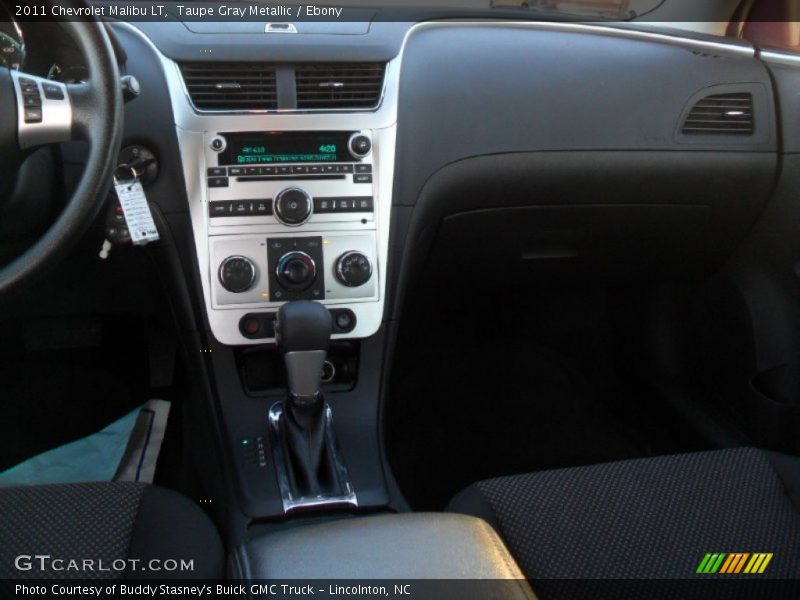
(33, 115)
(353, 269)
(295, 271)
(237, 274)
(344, 320)
(31, 100)
(360, 146)
(218, 144)
(52, 91)
(293, 206)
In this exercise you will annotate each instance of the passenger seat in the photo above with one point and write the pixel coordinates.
(646, 518)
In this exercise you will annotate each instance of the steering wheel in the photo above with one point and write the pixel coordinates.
(35, 112)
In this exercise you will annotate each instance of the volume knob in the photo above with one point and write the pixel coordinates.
(293, 206)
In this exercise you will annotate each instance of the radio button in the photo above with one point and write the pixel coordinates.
(343, 205)
(346, 169)
(293, 206)
(315, 169)
(251, 171)
(217, 182)
(364, 205)
(219, 209)
(262, 207)
(323, 205)
(242, 208)
(363, 168)
(362, 178)
(217, 172)
(235, 171)
(284, 170)
(266, 170)
(297, 169)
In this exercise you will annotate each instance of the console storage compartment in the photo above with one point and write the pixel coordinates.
(391, 547)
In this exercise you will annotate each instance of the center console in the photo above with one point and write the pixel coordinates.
(288, 205)
(463, 557)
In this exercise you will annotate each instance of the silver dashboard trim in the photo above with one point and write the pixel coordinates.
(777, 57)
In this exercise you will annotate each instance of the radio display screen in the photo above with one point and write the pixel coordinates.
(285, 147)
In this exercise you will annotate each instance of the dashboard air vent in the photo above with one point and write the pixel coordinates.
(231, 86)
(721, 114)
(339, 85)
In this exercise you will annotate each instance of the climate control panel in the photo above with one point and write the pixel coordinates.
(262, 271)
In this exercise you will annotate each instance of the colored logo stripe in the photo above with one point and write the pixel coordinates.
(758, 564)
(734, 563)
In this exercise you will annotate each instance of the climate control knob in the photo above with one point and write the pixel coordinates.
(293, 206)
(296, 271)
(237, 274)
(353, 269)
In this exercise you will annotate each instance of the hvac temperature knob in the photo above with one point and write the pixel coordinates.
(296, 271)
(353, 269)
(237, 274)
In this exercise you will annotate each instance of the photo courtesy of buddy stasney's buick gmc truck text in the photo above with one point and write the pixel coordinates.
(453, 299)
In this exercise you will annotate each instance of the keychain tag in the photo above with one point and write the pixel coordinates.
(135, 208)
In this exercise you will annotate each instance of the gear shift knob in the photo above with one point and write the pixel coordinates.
(303, 331)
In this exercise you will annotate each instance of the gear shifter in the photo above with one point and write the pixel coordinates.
(303, 332)
(309, 456)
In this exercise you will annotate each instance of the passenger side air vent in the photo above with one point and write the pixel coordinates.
(339, 85)
(721, 114)
(231, 86)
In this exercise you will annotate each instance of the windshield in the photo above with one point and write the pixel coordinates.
(590, 9)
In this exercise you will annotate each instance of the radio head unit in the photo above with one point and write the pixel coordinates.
(283, 147)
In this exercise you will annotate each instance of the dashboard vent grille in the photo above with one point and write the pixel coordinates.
(721, 114)
(339, 85)
(231, 86)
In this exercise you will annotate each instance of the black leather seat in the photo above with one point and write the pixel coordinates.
(103, 523)
(647, 518)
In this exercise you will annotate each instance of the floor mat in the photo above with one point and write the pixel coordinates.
(51, 397)
(125, 450)
(534, 391)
